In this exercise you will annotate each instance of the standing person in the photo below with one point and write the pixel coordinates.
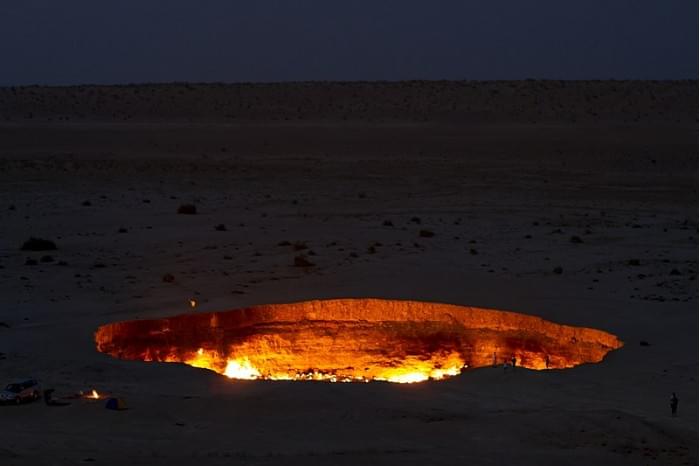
(546, 361)
(674, 404)
(513, 360)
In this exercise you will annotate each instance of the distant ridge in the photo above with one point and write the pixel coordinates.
(526, 101)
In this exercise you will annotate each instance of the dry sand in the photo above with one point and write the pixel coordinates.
(504, 174)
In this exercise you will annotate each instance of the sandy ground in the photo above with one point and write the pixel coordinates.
(504, 197)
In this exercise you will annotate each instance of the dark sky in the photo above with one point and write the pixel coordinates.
(121, 41)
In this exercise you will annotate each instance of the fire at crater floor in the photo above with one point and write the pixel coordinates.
(355, 340)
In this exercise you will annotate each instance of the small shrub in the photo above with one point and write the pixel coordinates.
(187, 209)
(38, 244)
(302, 261)
(300, 246)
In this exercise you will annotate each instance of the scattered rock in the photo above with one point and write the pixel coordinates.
(220, 227)
(576, 240)
(644, 343)
(168, 278)
(122, 230)
(284, 243)
(38, 244)
(46, 258)
(426, 234)
(388, 223)
(30, 261)
(473, 252)
(558, 270)
(675, 272)
(187, 209)
(633, 262)
(87, 203)
(415, 220)
(4, 324)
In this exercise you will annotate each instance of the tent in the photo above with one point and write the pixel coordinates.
(117, 404)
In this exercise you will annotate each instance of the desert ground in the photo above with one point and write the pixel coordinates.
(573, 201)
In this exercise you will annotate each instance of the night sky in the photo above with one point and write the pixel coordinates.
(89, 41)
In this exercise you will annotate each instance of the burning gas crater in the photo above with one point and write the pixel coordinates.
(354, 340)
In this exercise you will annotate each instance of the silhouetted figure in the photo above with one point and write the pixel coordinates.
(513, 361)
(48, 399)
(495, 363)
(674, 404)
(546, 361)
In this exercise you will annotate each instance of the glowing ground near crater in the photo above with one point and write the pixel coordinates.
(355, 340)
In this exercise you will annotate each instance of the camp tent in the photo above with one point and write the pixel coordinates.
(116, 404)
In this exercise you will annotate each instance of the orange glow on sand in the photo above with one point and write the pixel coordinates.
(355, 340)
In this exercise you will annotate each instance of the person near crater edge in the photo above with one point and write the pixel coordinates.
(674, 404)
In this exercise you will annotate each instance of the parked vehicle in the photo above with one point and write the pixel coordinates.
(19, 392)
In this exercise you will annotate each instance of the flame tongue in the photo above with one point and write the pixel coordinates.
(241, 369)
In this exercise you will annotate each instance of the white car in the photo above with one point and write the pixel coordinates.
(19, 392)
